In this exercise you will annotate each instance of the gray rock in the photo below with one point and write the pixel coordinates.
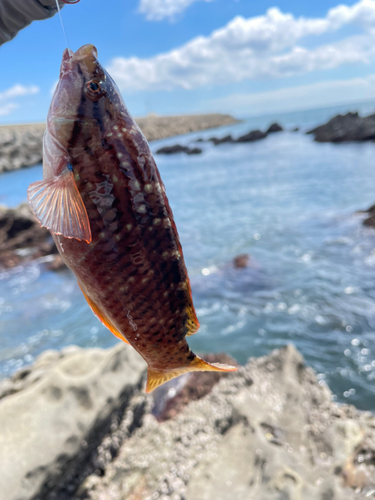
(269, 431)
(344, 128)
(55, 413)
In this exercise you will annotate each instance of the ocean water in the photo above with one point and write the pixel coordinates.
(288, 202)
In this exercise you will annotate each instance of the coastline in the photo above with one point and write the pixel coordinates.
(21, 144)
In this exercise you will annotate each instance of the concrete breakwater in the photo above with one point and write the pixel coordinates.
(77, 424)
(21, 145)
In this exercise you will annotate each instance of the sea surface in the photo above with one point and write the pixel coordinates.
(290, 204)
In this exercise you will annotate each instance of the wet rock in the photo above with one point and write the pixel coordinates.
(275, 127)
(58, 411)
(370, 220)
(344, 128)
(221, 140)
(194, 151)
(21, 237)
(269, 431)
(252, 136)
(178, 148)
(241, 261)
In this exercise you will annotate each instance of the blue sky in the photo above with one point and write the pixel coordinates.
(193, 56)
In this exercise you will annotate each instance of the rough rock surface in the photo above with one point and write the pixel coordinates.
(56, 412)
(269, 431)
(344, 128)
(21, 237)
(78, 425)
(21, 145)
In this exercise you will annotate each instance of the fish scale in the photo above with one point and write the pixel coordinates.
(105, 204)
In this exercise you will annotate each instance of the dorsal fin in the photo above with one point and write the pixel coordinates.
(102, 317)
(58, 206)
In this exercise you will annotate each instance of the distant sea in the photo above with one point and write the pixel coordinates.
(288, 202)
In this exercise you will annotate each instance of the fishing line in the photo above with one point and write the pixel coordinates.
(62, 24)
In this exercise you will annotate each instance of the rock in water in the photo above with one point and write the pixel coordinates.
(344, 128)
(275, 127)
(177, 148)
(254, 135)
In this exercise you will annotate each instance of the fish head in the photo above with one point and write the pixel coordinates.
(86, 101)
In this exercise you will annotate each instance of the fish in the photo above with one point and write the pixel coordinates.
(105, 204)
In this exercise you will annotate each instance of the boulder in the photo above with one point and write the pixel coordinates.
(269, 431)
(275, 127)
(344, 128)
(253, 135)
(55, 412)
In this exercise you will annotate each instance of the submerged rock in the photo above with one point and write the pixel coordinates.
(344, 128)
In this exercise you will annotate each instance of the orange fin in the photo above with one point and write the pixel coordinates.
(58, 206)
(159, 377)
(192, 324)
(102, 317)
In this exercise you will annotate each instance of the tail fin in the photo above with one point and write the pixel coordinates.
(159, 377)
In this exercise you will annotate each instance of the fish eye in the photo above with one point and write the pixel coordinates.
(93, 86)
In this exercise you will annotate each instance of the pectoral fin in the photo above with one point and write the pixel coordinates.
(159, 377)
(102, 317)
(58, 206)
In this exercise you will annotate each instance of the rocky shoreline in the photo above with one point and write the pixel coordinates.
(77, 424)
(21, 145)
(346, 128)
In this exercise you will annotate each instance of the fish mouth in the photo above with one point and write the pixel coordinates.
(86, 55)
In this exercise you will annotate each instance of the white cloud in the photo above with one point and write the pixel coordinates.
(8, 108)
(262, 47)
(15, 91)
(296, 98)
(156, 10)
(19, 90)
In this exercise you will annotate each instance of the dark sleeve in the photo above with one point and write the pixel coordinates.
(17, 14)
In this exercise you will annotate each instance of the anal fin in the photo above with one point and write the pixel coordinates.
(58, 206)
(155, 378)
(102, 317)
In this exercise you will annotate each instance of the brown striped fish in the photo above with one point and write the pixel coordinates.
(105, 204)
